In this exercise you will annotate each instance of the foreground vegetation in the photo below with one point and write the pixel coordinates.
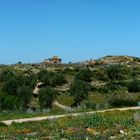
(115, 125)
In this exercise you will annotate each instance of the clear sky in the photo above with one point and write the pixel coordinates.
(75, 30)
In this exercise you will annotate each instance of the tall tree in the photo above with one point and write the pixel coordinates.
(8, 102)
(24, 95)
(11, 86)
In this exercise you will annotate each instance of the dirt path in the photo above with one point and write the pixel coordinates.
(9, 122)
(66, 108)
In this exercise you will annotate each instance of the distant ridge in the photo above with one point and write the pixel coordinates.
(108, 60)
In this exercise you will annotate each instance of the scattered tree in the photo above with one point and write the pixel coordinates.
(116, 72)
(6, 75)
(24, 95)
(79, 90)
(9, 102)
(51, 78)
(134, 86)
(84, 75)
(46, 97)
(11, 86)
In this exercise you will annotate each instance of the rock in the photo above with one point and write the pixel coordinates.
(122, 132)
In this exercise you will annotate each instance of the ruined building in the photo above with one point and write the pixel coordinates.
(53, 60)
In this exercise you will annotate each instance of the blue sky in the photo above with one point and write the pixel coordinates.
(75, 30)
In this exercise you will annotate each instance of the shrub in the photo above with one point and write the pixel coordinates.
(116, 72)
(84, 75)
(8, 102)
(51, 78)
(58, 79)
(90, 104)
(11, 86)
(6, 75)
(121, 101)
(103, 89)
(112, 86)
(2, 124)
(134, 86)
(100, 74)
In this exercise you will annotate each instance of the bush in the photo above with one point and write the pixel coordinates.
(51, 78)
(6, 75)
(100, 74)
(8, 102)
(90, 104)
(110, 86)
(103, 89)
(11, 86)
(134, 86)
(58, 79)
(116, 72)
(122, 101)
(28, 80)
(84, 75)
(113, 86)
(2, 124)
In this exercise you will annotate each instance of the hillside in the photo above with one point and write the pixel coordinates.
(35, 90)
(109, 60)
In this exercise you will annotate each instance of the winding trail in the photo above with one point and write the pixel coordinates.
(9, 122)
(66, 108)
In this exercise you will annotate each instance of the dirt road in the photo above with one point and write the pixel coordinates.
(9, 122)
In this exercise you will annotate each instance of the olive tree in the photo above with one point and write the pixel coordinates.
(46, 97)
(116, 72)
(8, 102)
(24, 95)
(79, 90)
(84, 75)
